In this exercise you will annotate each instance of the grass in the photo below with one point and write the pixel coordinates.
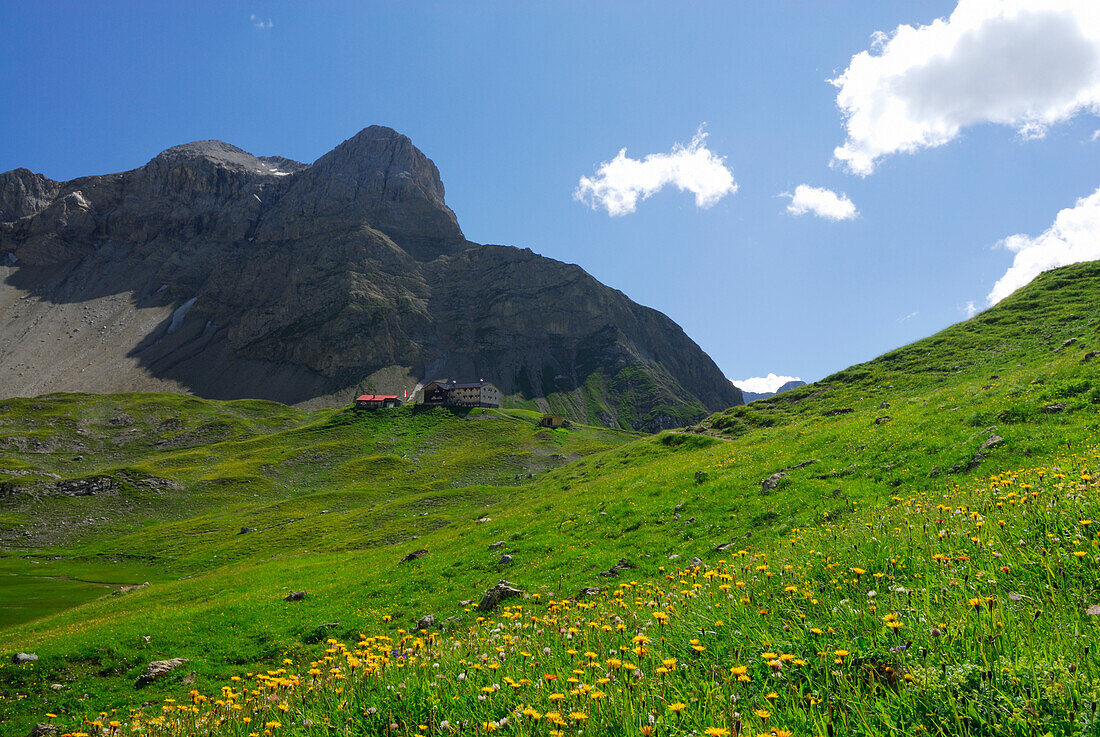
(338, 499)
(947, 614)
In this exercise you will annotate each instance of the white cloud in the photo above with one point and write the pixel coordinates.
(1028, 64)
(971, 309)
(910, 316)
(821, 202)
(621, 182)
(763, 384)
(261, 23)
(1074, 237)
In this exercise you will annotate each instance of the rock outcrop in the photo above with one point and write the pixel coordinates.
(159, 669)
(496, 594)
(227, 275)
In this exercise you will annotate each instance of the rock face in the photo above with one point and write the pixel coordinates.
(227, 275)
(160, 668)
(496, 594)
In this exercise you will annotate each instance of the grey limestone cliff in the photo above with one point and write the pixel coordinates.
(213, 271)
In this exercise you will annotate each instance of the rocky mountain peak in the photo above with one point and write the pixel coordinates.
(380, 152)
(377, 178)
(225, 155)
(225, 274)
(217, 150)
(23, 193)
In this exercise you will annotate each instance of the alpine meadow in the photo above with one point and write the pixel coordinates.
(906, 544)
(286, 451)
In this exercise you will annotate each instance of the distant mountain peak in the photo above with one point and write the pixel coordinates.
(752, 396)
(209, 148)
(225, 155)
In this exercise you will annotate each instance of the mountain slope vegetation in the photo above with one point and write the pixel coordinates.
(877, 492)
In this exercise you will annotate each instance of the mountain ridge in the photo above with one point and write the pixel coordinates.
(753, 396)
(212, 271)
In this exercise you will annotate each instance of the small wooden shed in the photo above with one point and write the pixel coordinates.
(377, 401)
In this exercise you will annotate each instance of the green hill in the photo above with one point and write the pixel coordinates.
(877, 469)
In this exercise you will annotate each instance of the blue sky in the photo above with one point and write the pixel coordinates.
(516, 101)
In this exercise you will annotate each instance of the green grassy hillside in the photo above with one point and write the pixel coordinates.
(884, 466)
(162, 485)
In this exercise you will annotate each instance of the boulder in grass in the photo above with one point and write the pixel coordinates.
(496, 594)
(622, 565)
(24, 658)
(295, 596)
(772, 481)
(159, 669)
(428, 620)
(414, 555)
(993, 440)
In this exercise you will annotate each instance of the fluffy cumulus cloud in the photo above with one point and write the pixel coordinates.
(1028, 64)
(261, 23)
(621, 182)
(1074, 237)
(819, 201)
(763, 384)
